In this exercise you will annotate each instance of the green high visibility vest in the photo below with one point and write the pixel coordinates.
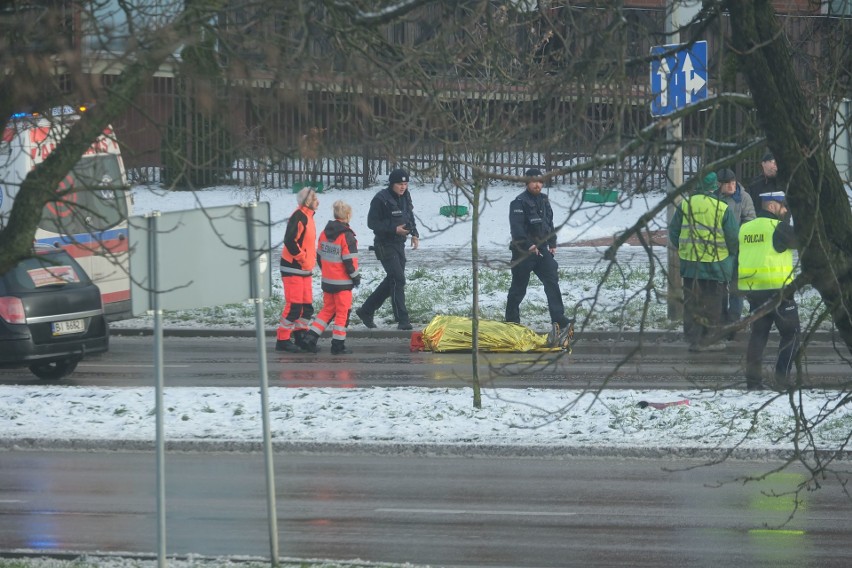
(761, 267)
(702, 238)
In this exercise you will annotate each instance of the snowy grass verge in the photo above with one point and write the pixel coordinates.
(600, 302)
(712, 420)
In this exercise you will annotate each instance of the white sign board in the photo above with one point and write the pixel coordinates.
(202, 257)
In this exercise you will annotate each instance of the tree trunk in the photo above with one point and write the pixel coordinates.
(815, 191)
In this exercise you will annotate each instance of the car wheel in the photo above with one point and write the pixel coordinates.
(52, 370)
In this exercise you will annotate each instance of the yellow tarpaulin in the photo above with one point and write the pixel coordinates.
(454, 333)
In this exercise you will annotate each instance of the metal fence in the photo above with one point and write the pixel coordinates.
(324, 136)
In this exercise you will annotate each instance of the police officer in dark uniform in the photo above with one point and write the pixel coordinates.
(533, 245)
(391, 218)
(766, 181)
(765, 267)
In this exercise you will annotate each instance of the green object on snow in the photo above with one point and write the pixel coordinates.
(599, 195)
(300, 185)
(453, 210)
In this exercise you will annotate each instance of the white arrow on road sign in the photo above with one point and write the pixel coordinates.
(664, 73)
(694, 81)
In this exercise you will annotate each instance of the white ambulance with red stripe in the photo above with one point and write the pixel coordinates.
(89, 216)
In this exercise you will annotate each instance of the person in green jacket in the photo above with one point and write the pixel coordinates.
(704, 232)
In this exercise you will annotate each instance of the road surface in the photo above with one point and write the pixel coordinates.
(430, 510)
(388, 361)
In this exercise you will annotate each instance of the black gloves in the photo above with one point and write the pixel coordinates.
(356, 281)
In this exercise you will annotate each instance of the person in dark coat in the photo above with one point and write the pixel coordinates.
(739, 202)
(533, 246)
(391, 217)
(766, 181)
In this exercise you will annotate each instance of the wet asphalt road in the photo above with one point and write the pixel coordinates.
(438, 510)
(426, 510)
(384, 359)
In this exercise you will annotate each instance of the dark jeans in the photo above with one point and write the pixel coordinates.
(732, 303)
(785, 317)
(702, 308)
(545, 267)
(392, 257)
(732, 307)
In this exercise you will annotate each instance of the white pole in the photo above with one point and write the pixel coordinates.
(154, 301)
(257, 298)
(674, 135)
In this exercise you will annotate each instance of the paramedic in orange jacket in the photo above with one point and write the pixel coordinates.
(298, 258)
(338, 259)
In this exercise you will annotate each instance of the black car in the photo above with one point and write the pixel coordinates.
(51, 315)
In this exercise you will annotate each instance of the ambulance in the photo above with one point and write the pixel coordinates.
(89, 220)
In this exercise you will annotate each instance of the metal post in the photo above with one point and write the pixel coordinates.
(257, 298)
(674, 135)
(474, 351)
(154, 301)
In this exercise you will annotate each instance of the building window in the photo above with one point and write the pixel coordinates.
(839, 7)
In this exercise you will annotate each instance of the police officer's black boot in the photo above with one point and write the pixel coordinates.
(754, 381)
(309, 343)
(366, 317)
(338, 347)
(782, 382)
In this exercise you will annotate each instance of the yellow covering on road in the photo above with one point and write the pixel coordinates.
(454, 333)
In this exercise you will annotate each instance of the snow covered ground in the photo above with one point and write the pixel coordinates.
(537, 421)
(582, 220)
(439, 271)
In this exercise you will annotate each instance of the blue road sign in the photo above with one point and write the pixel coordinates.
(678, 76)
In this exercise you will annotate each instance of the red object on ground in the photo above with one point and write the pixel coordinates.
(662, 405)
(417, 341)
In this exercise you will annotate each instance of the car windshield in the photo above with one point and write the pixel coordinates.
(45, 271)
(94, 198)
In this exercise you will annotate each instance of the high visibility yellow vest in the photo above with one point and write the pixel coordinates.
(702, 238)
(761, 267)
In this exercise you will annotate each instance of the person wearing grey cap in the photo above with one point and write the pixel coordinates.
(766, 267)
(767, 180)
(298, 259)
(533, 246)
(391, 217)
(740, 204)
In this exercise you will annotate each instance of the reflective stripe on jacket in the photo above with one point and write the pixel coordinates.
(761, 266)
(338, 256)
(702, 237)
(299, 253)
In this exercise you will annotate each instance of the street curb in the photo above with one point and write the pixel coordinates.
(409, 449)
(579, 337)
(240, 332)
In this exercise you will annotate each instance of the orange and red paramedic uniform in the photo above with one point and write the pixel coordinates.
(338, 258)
(298, 259)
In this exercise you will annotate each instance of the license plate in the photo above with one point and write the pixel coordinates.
(68, 326)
